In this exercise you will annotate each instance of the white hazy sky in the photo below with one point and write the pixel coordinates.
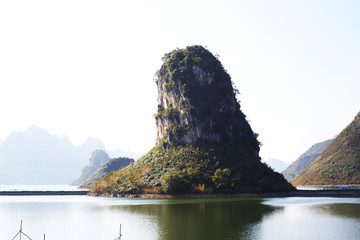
(84, 68)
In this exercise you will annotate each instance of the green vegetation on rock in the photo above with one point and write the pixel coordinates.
(194, 169)
(339, 163)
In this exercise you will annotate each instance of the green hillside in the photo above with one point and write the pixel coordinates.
(302, 162)
(190, 169)
(339, 163)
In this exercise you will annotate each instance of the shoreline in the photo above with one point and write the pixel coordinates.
(296, 193)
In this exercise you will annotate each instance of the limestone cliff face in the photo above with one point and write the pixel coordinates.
(196, 101)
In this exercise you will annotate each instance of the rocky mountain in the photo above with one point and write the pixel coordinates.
(276, 164)
(339, 163)
(196, 102)
(113, 164)
(204, 142)
(97, 160)
(34, 156)
(305, 159)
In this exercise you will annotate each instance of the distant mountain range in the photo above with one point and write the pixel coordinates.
(305, 159)
(339, 163)
(36, 157)
(276, 164)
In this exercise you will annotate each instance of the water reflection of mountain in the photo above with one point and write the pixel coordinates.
(347, 210)
(203, 219)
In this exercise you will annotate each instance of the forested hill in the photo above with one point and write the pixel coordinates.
(305, 159)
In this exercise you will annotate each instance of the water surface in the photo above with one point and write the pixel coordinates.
(96, 218)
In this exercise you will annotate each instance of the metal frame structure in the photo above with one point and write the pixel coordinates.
(119, 237)
(20, 233)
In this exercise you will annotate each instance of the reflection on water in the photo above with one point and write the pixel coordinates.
(312, 218)
(328, 188)
(90, 218)
(345, 210)
(204, 219)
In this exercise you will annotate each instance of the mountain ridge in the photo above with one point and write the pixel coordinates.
(305, 159)
(34, 156)
(339, 163)
(276, 164)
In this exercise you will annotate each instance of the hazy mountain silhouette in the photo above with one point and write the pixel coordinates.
(92, 144)
(36, 157)
(276, 164)
(97, 159)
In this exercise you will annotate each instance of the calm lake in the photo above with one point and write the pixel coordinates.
(96, 218)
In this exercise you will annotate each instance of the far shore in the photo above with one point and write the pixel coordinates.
(343, 185)
(39, 193)
(296, 193)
